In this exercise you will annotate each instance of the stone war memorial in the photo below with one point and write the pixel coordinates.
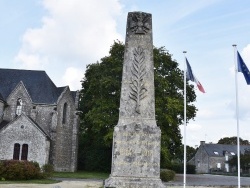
(136, 138)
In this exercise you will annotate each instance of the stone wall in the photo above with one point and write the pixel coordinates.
(24, 131)
(64, 142)
(201, 161)
(61, 149)
(213, 161)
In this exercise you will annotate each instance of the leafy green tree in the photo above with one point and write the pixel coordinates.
(190, 153)
(233, 141)
(244, 161)
(99, 103)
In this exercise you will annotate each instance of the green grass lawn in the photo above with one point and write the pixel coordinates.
(81, 175)
(73, 175)
(43, 181)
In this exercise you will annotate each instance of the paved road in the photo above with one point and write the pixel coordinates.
(209, 180)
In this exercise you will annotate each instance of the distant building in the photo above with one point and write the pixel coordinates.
(215, 157)
(38, 121)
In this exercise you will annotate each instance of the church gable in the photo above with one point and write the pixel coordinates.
(66, 107)
(19, 101)
(22, 139)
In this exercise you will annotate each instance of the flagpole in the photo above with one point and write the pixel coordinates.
(185, 121)
(237, 113)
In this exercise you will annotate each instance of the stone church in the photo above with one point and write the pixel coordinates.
(38, 120)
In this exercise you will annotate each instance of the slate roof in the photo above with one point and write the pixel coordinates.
(3, 123)
(38, 84)
(221, 148)
(1, 97)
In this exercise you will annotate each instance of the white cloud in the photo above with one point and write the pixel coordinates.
(72, 34)
(205, 113)
(72, 78)
(246, 55)
(194, 127)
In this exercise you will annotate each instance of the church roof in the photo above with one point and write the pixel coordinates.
(3, 123)
(38, 84)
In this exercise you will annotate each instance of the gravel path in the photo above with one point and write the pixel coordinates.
(192, 181)
(64, 184)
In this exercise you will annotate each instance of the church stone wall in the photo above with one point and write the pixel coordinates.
(43, 116)
(64, 144)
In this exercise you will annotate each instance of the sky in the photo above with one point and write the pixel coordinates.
(63, 37)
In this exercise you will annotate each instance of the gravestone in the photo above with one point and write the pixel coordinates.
(136, 138)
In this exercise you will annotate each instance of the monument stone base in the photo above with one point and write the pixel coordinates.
(136, 157)
(123, 182)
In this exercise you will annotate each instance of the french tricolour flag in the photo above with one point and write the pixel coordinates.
(190, 76)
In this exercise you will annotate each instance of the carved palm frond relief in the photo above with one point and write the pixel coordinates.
(137, 84)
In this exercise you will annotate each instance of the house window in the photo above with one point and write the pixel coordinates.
(19, 106)
(226, 157)
(64, 112)
(219, 165)
(24, 152)
(216, 152)
(16, 152)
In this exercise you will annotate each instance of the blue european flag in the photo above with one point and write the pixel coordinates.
(243, 68)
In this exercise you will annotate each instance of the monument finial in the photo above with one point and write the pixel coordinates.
(139, 22)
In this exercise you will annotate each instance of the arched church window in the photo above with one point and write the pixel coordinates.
(24, 152)
(16, 152)
(19, 106)
(65, 106)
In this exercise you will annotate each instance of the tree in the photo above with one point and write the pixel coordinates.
(244, 161)
(233, 141)
(99, 103)
(190, 153)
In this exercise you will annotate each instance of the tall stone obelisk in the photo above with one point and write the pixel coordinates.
(136, 140)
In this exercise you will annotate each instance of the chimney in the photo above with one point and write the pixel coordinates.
(202, 143)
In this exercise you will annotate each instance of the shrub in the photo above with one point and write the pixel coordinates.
(191, 169)
(1, 171)
(178, 168)
(47, 170)
(167, 175)
(20, 170)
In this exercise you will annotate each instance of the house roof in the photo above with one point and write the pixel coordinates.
(218, 150)
(38, 84)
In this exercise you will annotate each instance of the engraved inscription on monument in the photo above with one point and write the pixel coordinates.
(136, 138)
